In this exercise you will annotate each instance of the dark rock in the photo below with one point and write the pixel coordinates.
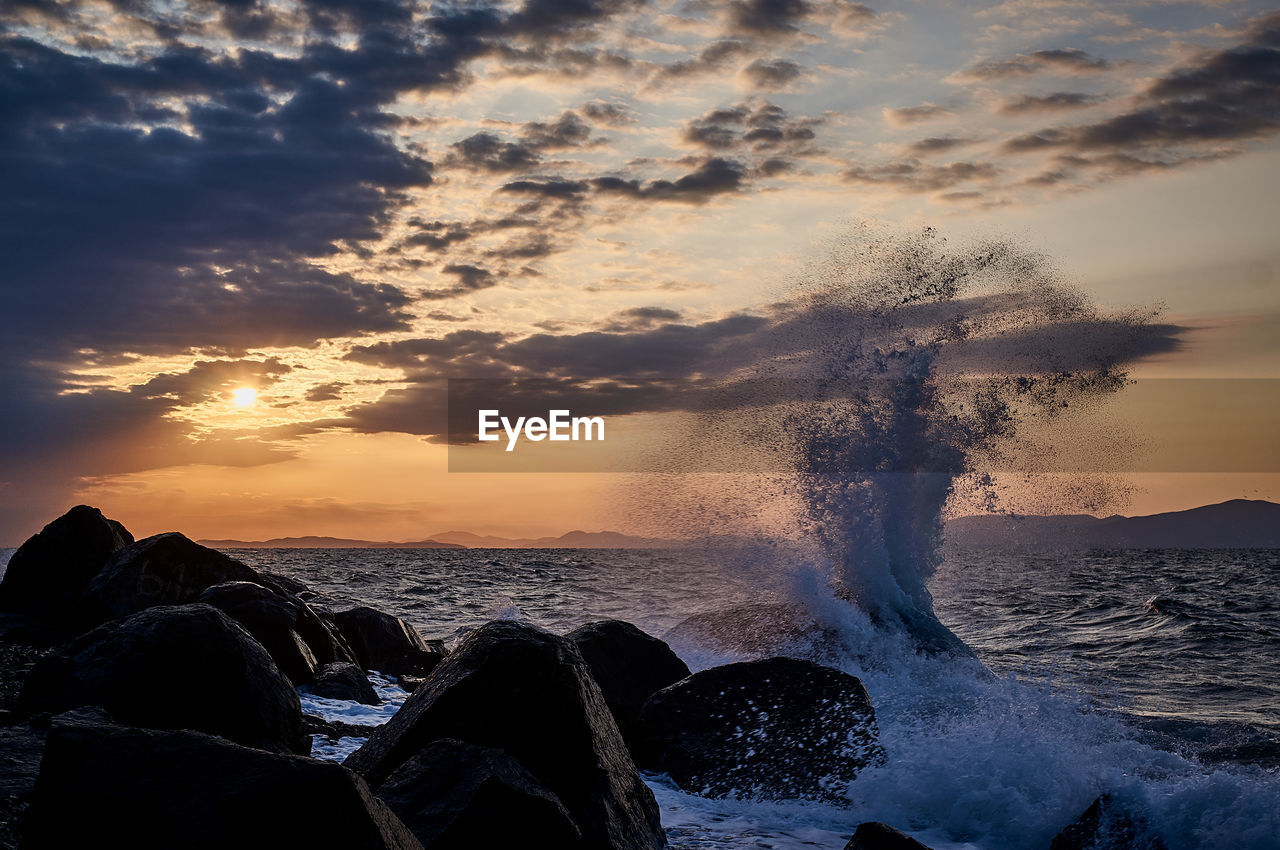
(166, 569)
(773, 729)
(31, 631)
(47, 574)
(20, 749)
(880, 836)
(457, 796)
(529, 693)
(628, 665)
(385, 643)
(16, 661)
(174, 667)
(1108, 825)
(345, 681)
(314, 724)
(109, 786)
(296, 637)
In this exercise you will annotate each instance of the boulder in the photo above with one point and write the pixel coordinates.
(457, 796)
(110, 786)
(343, 680)
(773, 729)
(174, 667)
(165, 569)
(1108, 825)
(628, 665)
(298, 640)
(880, 836)
(47, 574)
(20, 749)
(385, 643)
(516, 688)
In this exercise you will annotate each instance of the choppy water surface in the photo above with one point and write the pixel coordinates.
(1154, 675)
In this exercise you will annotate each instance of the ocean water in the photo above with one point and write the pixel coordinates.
(1152, 675)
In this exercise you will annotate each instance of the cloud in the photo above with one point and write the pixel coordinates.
(1058, 61)
(905, 116)
(938, 144)
(768, 18)
(488, 152)
(470, 279)
(772, 74)
(1055, 102)
(1185, 116)
(610, 114)
(911, 175)
(713, 176)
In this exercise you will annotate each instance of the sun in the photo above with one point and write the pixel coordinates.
(244, 396)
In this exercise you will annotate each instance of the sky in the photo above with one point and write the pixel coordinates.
(339, 205)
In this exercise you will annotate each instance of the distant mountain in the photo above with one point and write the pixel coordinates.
(1237, 524)
(569, 540)
(323, 543)
(458, 540)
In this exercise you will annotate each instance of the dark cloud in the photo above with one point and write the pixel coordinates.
(470, 279)
(714, 176)
(647, 361)
(756, 127)
(611, 114)
(911, 175)
(771, 74)
(938, 144)
(488, 152)
(906, 115)
(768, 17)
(557, 188)
(326, 392)
(1227, 96)
(640, 318)
(1068, 60)
(712, 58)
(1055, 102)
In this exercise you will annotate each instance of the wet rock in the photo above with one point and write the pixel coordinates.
(519, 689)
(773, 729)
(628, 665)
(456, 796)
(47, 574)
(385, 643)
(314, 724)
(873, 835)
(166, 569)
(20, 749)
(345, 681)
(1108, 825)
(174, 667)
(110, 786)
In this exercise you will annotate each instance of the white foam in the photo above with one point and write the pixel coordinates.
(355, 713)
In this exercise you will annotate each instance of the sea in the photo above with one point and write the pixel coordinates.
(1151, 675)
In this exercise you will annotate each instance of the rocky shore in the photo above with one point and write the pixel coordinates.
(149, 698)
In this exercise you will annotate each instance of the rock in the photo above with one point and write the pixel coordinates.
(20, 749)
(880, 836)
(628, 665)
(298, 640)
(109, 786)
(456, 796)
(16, 661)
(314, 724)
(519, 689)
(385, 643)
(174, 667)
(166, 569)
(1108, 825)
(773, 729)
(47, 574)
(343, 680)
